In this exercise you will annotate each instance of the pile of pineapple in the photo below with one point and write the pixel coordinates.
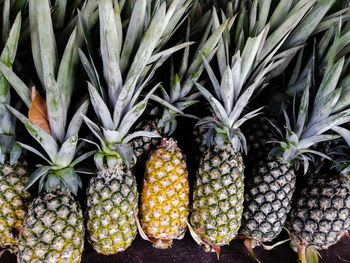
(101, 85)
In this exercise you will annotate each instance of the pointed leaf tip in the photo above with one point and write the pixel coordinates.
(38, 111)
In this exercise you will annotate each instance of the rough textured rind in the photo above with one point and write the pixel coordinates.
(13, 203)
(268, 199)
(321, 214)
(218, 196)
(165, 195)
(112, 203)
(142, 146)
(53, 230)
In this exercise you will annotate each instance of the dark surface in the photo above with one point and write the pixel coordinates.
(187, 251)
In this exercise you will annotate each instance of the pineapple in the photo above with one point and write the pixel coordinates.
(53, 229)
(112, 196)
(13, 168)
(142, 146)
(271, 187)
(165, 193)
(320, 215)
(218, 192)
(260, 131)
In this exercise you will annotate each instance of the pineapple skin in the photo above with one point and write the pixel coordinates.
(321, 213)
(13, 202)
(218, 196)
(112, 203)
(165, 195)
(142, 146)
(268, 199)
(53, 229)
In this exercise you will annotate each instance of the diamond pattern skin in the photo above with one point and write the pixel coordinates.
(165, 195)
(268, 199)
(218, 196)
(142, 146)
(321, 213)
(13, 202)
(112, 203)
(53, 230)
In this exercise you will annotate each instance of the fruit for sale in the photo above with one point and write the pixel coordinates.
(129, 62)
(53, 229)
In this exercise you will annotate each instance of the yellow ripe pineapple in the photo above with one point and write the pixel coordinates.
(165, 195)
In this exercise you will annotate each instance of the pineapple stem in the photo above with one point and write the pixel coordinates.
(302, 253)
(248, 243)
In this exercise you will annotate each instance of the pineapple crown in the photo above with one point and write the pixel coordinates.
(342, 151)
(181, 93)
(316, 115)
(7, 124)
(128, 66)
(254, 60)
(47, 122)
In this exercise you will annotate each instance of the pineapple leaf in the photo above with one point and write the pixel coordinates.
(15, 154)
(143, 54)
(185, 56)
(22, 90)
(126, 152)
(311, 256)
(82, 157)
(35, 151)
(168, 52)
(52, 182)
(134, 33)
(55, 109)
(165, 104)
(100, 108)
(215, 104)
(327, 124)
(175, 89)
(132, 115)
(330, 81)
(325, 107)
(95, 130)
(308, 142)
(236, 74)
(110, 52)
(246, 117)
(66, 154)
(304, 105)
(65, 77)
(248, 56)
(38, 173)
(344, 133)
(91, 72)
(241, 104)
(59, 13)
(280, 12)
(5, 21)
(9, 52)
(47, 42)
(309, 24)
(227, 89)
(208, 47)
(35, 43)
(77, 120)
(296, 15)
(212, 77)
(111, 136)
(69, 178)
(43, 138)
(141, 134)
